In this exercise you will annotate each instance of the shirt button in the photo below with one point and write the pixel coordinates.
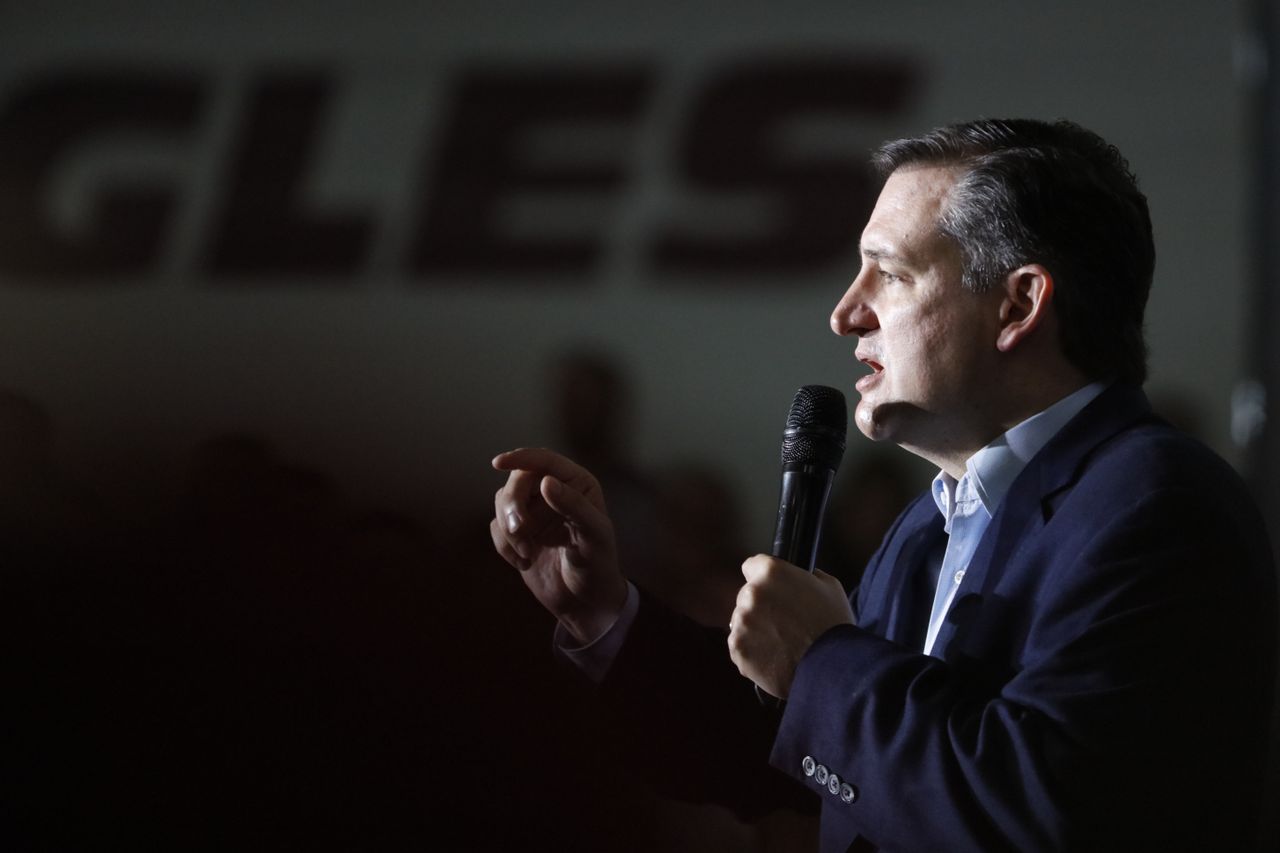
(820, 773)
(848, 793)
(959, 576)
(833, 784)
(808, 765)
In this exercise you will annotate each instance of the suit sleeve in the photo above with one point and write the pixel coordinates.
(695, 725)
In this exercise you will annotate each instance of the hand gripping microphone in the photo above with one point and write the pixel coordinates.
(812, 446)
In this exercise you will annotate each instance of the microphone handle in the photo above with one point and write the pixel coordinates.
(803, 502)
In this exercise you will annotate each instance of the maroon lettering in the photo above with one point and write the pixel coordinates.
(479, 167)
(733, 146)
(263, 226)
(50, 121)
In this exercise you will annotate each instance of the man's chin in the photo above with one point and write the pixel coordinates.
(870, 420)
(884, 421)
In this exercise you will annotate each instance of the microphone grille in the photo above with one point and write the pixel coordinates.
(816, 427)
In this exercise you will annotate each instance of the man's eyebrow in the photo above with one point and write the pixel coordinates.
(875, 254)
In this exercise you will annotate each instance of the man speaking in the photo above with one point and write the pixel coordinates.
(1068, 643)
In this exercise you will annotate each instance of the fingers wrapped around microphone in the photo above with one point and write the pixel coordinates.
(780, 611)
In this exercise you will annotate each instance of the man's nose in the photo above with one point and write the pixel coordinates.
(853, 314)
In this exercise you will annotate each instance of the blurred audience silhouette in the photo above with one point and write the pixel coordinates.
(593, 415)
(38, 505)
(870, 491)
(700, 544)
(262, 663)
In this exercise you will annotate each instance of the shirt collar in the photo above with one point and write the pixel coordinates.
(991, 471)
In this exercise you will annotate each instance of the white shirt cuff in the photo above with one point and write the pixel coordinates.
(595, 658)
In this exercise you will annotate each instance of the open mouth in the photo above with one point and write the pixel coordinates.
(867, 380)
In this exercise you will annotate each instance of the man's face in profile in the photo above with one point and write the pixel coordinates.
(929, 342)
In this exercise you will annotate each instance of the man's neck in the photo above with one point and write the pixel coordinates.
(1006, 412)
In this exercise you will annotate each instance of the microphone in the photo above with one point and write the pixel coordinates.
(812, 446)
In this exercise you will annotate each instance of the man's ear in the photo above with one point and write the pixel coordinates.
(1028, 293)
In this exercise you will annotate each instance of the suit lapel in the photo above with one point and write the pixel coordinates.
(915, 582)
(891, 603)
(1031, 499)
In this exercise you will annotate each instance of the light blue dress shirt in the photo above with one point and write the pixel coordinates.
(968, 504)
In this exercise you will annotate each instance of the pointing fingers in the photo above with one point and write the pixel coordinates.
(575, 507)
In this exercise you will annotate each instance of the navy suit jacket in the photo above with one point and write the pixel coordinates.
(1103, 680)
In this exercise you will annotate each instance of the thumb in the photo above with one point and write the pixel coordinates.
(829, 580)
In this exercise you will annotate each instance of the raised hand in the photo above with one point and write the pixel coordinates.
(550, 523)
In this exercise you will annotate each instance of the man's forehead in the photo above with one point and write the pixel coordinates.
(907, 212)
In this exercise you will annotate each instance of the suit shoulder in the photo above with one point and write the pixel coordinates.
(1152, 456)
(1152, 476)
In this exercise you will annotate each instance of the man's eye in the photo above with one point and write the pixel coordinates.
(885, 275)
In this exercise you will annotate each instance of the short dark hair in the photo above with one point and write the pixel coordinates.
(1056, 194)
